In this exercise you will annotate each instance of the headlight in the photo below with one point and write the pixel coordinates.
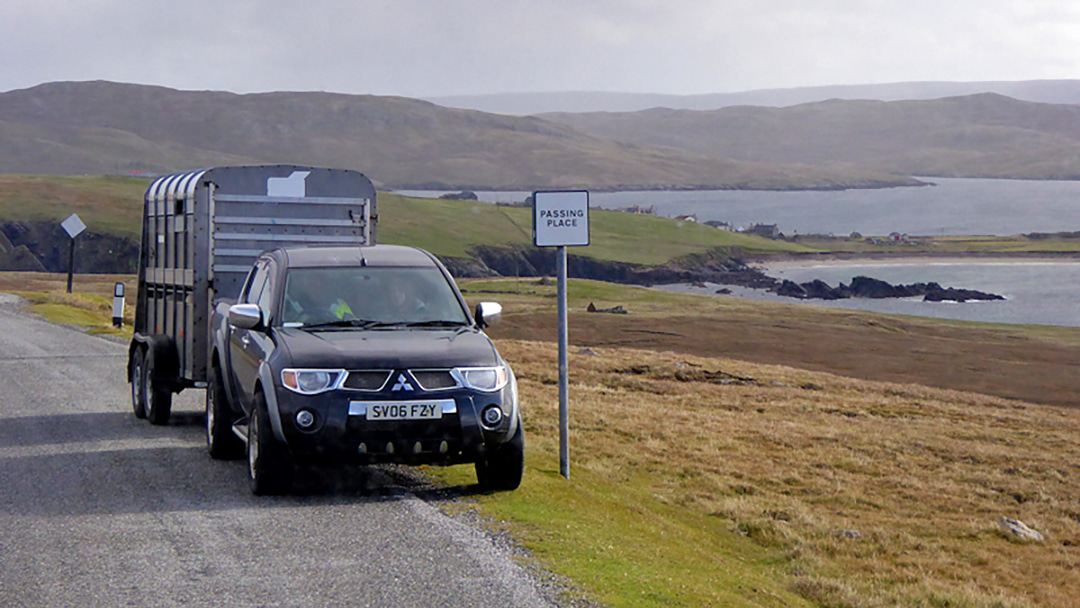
(311, 381)
(487, 379)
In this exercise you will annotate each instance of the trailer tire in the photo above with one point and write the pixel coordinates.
(503, 469)
(157, 401)
(138, 389)
(221, 442)
(269, 467)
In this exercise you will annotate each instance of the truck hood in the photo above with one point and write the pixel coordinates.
(388, 348)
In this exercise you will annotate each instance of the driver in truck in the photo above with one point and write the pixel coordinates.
(310, 298)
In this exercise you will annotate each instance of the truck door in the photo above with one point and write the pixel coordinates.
(246, 346)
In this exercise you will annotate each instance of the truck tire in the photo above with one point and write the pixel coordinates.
(138, 389)
(503, 469)
(269, 466)
(157, 402)
(221, 442)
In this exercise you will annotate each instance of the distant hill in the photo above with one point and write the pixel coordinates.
(72, 128)
(102, 128)
(526, 104)
(985, 135)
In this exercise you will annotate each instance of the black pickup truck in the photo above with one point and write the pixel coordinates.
(358, 355)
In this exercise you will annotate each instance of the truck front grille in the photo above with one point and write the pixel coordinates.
(367, 380)
(434, 379)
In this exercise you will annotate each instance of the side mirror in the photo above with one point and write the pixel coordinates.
(245, 316)
(488, 314)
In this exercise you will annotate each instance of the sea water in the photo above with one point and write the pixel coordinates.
(1036, 293)
(951, 206)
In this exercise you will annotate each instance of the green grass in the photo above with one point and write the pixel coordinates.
(93, 312)
(626, 545)
(108, 205)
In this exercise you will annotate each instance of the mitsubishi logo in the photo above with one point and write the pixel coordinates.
(402, 384)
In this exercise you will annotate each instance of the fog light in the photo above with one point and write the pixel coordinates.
(390, 447)
(492, 416)
(362, 449)
(417, 448)
(444, 447)
(304, 419)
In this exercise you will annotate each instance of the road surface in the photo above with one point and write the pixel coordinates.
(98, 508)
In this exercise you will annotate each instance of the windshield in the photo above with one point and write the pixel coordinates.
(369, 297)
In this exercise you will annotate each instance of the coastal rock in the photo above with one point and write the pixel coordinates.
(868, 287)
(957, 295)
(791, 289)
(819, 289)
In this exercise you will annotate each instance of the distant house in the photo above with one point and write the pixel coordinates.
(686, 218)
(650, 210)
(769, 231)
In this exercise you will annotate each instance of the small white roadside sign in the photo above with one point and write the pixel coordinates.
(561, 218)
(73, 225)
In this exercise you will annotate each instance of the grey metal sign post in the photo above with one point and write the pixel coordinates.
(561, 219)
(74, 227)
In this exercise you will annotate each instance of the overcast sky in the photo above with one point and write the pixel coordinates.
(423, 48)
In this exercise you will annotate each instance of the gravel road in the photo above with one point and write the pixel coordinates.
(98, 508)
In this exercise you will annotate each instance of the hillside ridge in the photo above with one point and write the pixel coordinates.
(102, 127)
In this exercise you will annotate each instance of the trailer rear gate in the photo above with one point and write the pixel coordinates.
(202, 230)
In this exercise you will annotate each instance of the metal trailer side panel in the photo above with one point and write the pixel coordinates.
(202, 230)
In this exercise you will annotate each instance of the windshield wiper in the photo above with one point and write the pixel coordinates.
(436, 323)
(361, 323)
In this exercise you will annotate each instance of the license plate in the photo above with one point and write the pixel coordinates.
(404, 410)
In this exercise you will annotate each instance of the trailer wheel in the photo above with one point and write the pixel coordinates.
(221, 443)
(269, 466)
(503, 469)
(157, 402)
(138, 389)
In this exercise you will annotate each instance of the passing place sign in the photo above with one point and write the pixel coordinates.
(561, 218)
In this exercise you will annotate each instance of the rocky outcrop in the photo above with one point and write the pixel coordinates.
(717, 266)
(868, 287)
(44, 246)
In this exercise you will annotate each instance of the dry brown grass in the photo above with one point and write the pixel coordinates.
(98, 284)
(880, 494)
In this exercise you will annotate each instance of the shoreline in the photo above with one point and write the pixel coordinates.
(912, 259)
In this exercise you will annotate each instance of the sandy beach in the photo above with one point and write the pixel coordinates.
(914, 259)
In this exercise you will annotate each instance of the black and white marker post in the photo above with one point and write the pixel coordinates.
(74, 227)
(561, 219)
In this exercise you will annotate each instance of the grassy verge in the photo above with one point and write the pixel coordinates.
(89, 306)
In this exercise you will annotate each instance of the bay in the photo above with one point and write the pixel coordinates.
(952, 206)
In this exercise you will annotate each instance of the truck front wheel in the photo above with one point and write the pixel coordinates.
(157, 402)
(221, 443)
(503, 469)
(269, 466)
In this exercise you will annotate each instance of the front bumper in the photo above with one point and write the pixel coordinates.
(342, 433)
